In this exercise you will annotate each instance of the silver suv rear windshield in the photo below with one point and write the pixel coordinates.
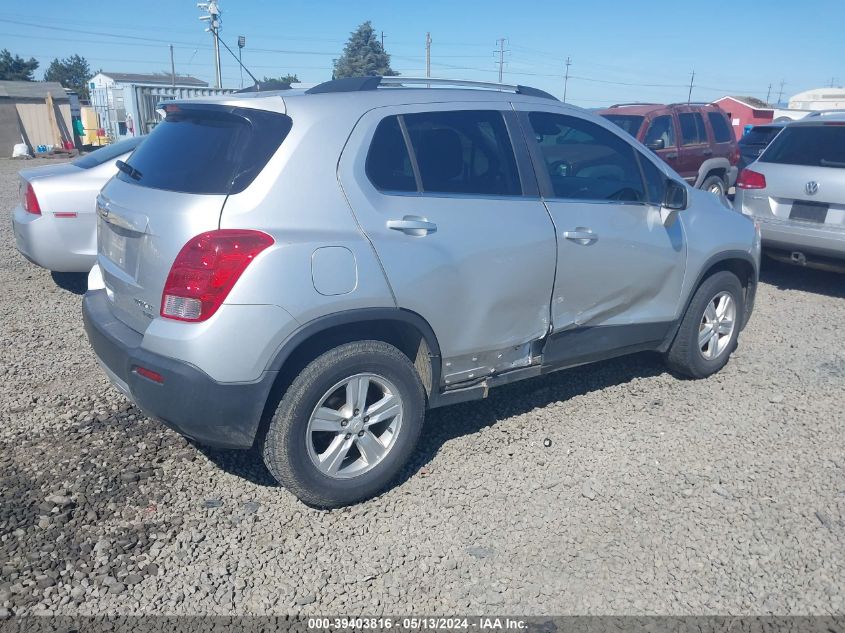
(109, 152)
(808, 145)
(207, 149)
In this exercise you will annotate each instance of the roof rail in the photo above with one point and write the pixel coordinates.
(633, 103)
(358, 84)
(689, 103)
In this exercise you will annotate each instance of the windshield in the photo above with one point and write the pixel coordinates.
(809, 145)
(628, 122)
(109, 152)
(760, 135)
(207, 149)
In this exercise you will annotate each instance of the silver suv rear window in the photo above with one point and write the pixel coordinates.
(808, 145)
(207, 149)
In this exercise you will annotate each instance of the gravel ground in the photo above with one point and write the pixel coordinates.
(655, 496)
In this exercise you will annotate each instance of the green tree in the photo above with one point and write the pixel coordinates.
(363, 56)
(285, 80)
(16, 68)
(72, 72)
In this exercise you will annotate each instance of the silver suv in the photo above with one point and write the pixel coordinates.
(308, 272)
(796, 191)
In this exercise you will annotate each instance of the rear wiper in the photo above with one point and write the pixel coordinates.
(831, 163)
(128, 169)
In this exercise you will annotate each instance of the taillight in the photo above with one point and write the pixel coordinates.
(206, 269)
(30, 201)
(735, 155)
(750, 180)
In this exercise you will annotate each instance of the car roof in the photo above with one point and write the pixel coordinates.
(373, 94)
(643, 109)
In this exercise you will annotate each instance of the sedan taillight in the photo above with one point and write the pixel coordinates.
(30, 201)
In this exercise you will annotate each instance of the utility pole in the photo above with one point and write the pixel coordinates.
(172, 68)
(566, 78)
(780, 94)
(213, 19)
(691, 84)
(382, 40)
(428, 54)
(501, 41)
(768, 94)
(241, 44)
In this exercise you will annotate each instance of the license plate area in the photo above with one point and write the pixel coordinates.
(113, 245)
(809, 212)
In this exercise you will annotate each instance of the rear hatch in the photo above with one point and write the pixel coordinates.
(804, 167)
(173, 188)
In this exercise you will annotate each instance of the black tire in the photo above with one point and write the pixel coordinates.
(285, 450)
(684, 356)
(712, 182)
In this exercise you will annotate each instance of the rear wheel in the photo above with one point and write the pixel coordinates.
(710, 327)
(347, 424)
(715, 185)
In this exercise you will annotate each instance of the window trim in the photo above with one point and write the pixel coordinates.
(517, 148)
(542, 173)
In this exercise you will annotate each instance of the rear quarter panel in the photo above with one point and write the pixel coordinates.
(298, 200)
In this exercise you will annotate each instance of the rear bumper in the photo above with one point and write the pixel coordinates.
(189, 401)
(60, 244)
(799, 236)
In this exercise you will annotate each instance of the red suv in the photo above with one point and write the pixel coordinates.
(695, 139)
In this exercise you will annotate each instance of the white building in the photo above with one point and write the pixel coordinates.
(126, 102)
(819, 99)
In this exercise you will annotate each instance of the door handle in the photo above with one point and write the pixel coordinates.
(708, 152)
(581, 236)
(412, 225)
(672, 155)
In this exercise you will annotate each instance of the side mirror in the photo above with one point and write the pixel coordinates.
(675, 195)
(657, 144)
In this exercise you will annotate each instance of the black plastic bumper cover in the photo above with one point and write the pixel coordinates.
(189, 401)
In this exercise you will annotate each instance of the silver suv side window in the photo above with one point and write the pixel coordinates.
(463, 151)
(586, 161)
(388, 162)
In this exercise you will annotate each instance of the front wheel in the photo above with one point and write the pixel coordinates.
(709, 330)
(715, 185)
(346, 425)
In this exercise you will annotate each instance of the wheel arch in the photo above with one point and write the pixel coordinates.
(404, 329)
(713, 166)
(741, 264)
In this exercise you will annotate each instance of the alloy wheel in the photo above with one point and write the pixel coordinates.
(717, 326)
(354, 426)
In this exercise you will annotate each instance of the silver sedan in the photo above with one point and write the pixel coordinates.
(796, 190)
(55, 222)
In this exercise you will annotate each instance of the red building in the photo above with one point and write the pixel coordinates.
(745, 111)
